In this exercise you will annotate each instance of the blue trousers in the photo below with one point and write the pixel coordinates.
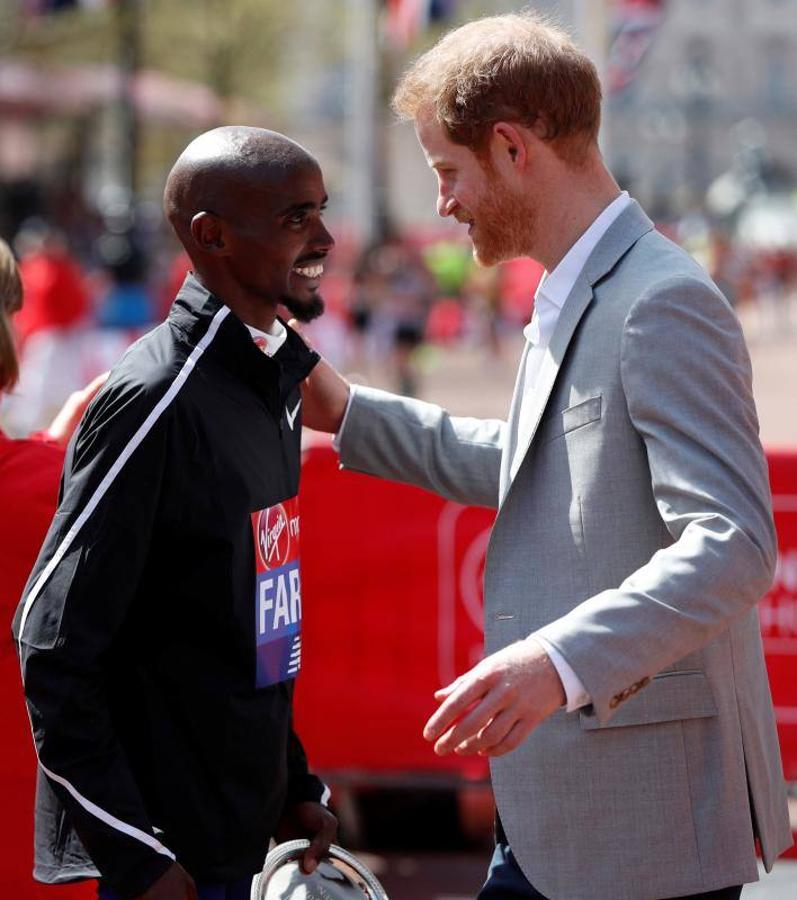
(234, 890)
(506, 881)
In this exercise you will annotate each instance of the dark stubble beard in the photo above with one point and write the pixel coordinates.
(304, 310)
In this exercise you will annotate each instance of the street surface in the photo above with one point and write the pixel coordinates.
(470, 382)
(459, 877)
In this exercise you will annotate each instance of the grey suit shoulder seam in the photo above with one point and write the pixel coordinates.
(692, 282)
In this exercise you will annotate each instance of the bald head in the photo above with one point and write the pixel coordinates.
(248, 206)
(217, 169)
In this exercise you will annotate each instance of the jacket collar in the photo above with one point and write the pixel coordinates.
(620, 237)
(273, 378)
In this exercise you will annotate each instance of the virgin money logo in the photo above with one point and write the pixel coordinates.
(274, 537)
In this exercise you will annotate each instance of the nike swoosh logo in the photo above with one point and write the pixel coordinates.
(291, 416)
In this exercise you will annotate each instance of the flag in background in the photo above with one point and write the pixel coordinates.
(634, 29)
(405, 20)
(45, 7)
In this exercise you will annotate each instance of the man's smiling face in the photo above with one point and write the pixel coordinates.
(474, 193)
(278, 242)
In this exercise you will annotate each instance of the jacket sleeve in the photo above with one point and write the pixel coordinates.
(302, 784)
(688, 387)
(421, 444)
(75, 604)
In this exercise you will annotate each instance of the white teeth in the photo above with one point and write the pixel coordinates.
(309, 271)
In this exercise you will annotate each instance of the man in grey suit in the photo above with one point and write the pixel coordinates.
(623, 698)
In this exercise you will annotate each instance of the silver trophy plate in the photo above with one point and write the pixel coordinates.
(340, 876)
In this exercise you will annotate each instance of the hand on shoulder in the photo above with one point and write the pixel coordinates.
(325, 394)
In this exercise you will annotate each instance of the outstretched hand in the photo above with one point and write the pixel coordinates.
(70, 414)
(491, 709)
(313, 821)
(325, 394)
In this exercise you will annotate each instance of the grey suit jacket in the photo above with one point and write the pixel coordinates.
(639, 529)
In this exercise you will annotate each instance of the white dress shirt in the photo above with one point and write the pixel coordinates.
(552, 293)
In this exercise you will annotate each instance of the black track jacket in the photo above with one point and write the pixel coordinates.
(159, 631)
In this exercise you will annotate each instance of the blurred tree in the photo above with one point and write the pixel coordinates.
(234, 46)
(265, 59)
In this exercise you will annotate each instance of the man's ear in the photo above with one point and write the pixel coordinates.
(207, 229)
(509, 146)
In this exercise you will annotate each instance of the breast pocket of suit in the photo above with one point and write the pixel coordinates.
(669, 697)
(565, 421)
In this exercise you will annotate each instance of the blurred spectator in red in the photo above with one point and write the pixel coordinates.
(29, 474)
(55, 294)
(49, 328)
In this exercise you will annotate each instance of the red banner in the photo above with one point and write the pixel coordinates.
(392, 582)
(778, 609)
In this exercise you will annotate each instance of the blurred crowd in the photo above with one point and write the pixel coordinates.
(389, 305)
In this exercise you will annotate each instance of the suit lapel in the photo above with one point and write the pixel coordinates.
(621, 235)
(512, 423)
(577, 302)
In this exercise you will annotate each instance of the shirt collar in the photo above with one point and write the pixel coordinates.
(269, 341)
(191, 314)
(556, 286)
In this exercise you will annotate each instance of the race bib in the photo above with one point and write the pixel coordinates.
(278, 592)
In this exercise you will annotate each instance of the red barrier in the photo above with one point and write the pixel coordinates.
(393, 607)
(391, 610)
(778, 609)
(392, 603)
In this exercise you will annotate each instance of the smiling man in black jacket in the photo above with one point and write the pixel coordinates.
(160, 631)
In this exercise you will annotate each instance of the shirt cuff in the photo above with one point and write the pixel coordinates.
(336, 439)
(575, 692)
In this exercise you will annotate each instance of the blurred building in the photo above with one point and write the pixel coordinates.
(716, 90)
(697, 89)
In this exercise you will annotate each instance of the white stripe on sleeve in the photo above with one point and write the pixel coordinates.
(110, 476)
(80, 521)
(109, 819)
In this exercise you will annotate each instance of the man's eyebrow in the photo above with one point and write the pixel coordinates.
(304, 207)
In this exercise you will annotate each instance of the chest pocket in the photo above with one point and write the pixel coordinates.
(564, 421)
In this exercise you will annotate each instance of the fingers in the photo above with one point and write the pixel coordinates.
(469, 691)
(491, 735)
(473, 723)
(326, 396)
(319, 845)
(298, 327)
(95, 384)
(512, 741)
(443, 692)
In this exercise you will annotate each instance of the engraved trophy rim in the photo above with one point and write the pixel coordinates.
(292, 850)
